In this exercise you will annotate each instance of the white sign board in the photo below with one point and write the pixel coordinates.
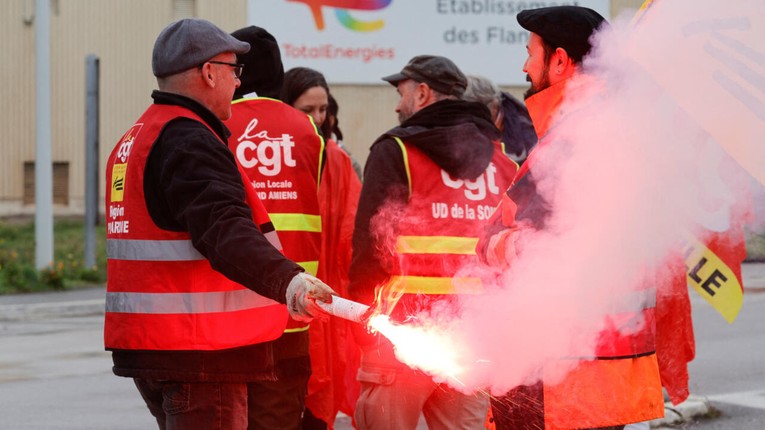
(359, 41)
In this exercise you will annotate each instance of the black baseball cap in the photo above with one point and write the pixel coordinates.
(440, 73)
(567, 27)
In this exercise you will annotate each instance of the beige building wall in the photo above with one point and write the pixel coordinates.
(122, 33)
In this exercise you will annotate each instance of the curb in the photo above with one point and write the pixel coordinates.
(693, 407)
(32, 311)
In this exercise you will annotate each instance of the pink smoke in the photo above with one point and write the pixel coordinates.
(631, 172)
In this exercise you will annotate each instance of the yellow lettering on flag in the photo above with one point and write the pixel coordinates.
(713, 279)
(118, 182)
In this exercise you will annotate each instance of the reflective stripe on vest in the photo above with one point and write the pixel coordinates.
(300, 223)
(185, 303)
(151, 250)
(436, 245)
(296, 222)
(435, 285)
(310, 266)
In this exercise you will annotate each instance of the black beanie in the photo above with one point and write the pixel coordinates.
(263, 70)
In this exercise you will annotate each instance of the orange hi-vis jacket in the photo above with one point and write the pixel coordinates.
(621, 384)
(281, 151)
(161, 292)
(439, 229)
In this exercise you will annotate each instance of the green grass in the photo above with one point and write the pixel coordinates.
(17, 258)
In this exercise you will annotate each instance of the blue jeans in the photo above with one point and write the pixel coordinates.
(181, 406)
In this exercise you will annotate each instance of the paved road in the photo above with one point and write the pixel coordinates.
(729, 369)
(55, 375)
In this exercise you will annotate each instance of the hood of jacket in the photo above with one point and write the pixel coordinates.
(457, 135)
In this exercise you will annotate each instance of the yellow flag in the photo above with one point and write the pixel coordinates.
(713, 279)
(708, 273)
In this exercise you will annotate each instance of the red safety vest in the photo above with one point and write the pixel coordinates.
(161, 292)
(439, 228)
(281, 152)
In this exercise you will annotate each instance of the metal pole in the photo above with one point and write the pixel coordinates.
(91, 158)
(43, 163)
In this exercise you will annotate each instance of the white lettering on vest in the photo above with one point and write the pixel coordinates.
(269, 152)
(116, 211)
(282, 195)
(118, 227)
(474, 189)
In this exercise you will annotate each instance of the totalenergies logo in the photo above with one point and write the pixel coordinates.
(342, 14)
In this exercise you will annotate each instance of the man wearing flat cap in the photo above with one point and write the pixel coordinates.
(425, 183)
(196, 285)
(620, 384)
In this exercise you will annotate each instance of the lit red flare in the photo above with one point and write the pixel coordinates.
(429, 349)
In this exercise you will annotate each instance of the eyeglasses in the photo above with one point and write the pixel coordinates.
(237, 67)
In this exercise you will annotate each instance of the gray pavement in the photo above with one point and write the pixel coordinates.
(90, 301)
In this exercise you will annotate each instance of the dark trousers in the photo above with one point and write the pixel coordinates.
(280, 404)
(310, 422)
(184, 406)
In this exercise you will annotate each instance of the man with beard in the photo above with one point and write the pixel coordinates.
(620, 383)
(409, 242)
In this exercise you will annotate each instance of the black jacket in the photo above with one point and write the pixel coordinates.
(518, 133)
(455, 134)
(192, 184)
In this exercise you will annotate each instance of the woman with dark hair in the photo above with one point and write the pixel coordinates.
(306, 90)
(334, 354)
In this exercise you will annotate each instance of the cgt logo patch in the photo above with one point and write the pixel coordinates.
(342, 14)
(126, 143)
(256, 149)
(119, 170)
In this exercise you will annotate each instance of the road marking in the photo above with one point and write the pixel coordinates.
(750, 399)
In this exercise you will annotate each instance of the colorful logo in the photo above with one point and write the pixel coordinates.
(341, 12)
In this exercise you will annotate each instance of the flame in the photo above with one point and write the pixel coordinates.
(428, 348)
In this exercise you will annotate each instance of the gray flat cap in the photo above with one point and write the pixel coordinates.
(190, 42)
(440, 73)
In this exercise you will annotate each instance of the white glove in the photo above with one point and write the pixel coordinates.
(302, 293)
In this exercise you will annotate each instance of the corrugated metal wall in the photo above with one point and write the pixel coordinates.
(122, 33)
(17, 85)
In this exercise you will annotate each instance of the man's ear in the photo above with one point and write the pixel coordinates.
(561, 61)
(207, 75)
(422, 94)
